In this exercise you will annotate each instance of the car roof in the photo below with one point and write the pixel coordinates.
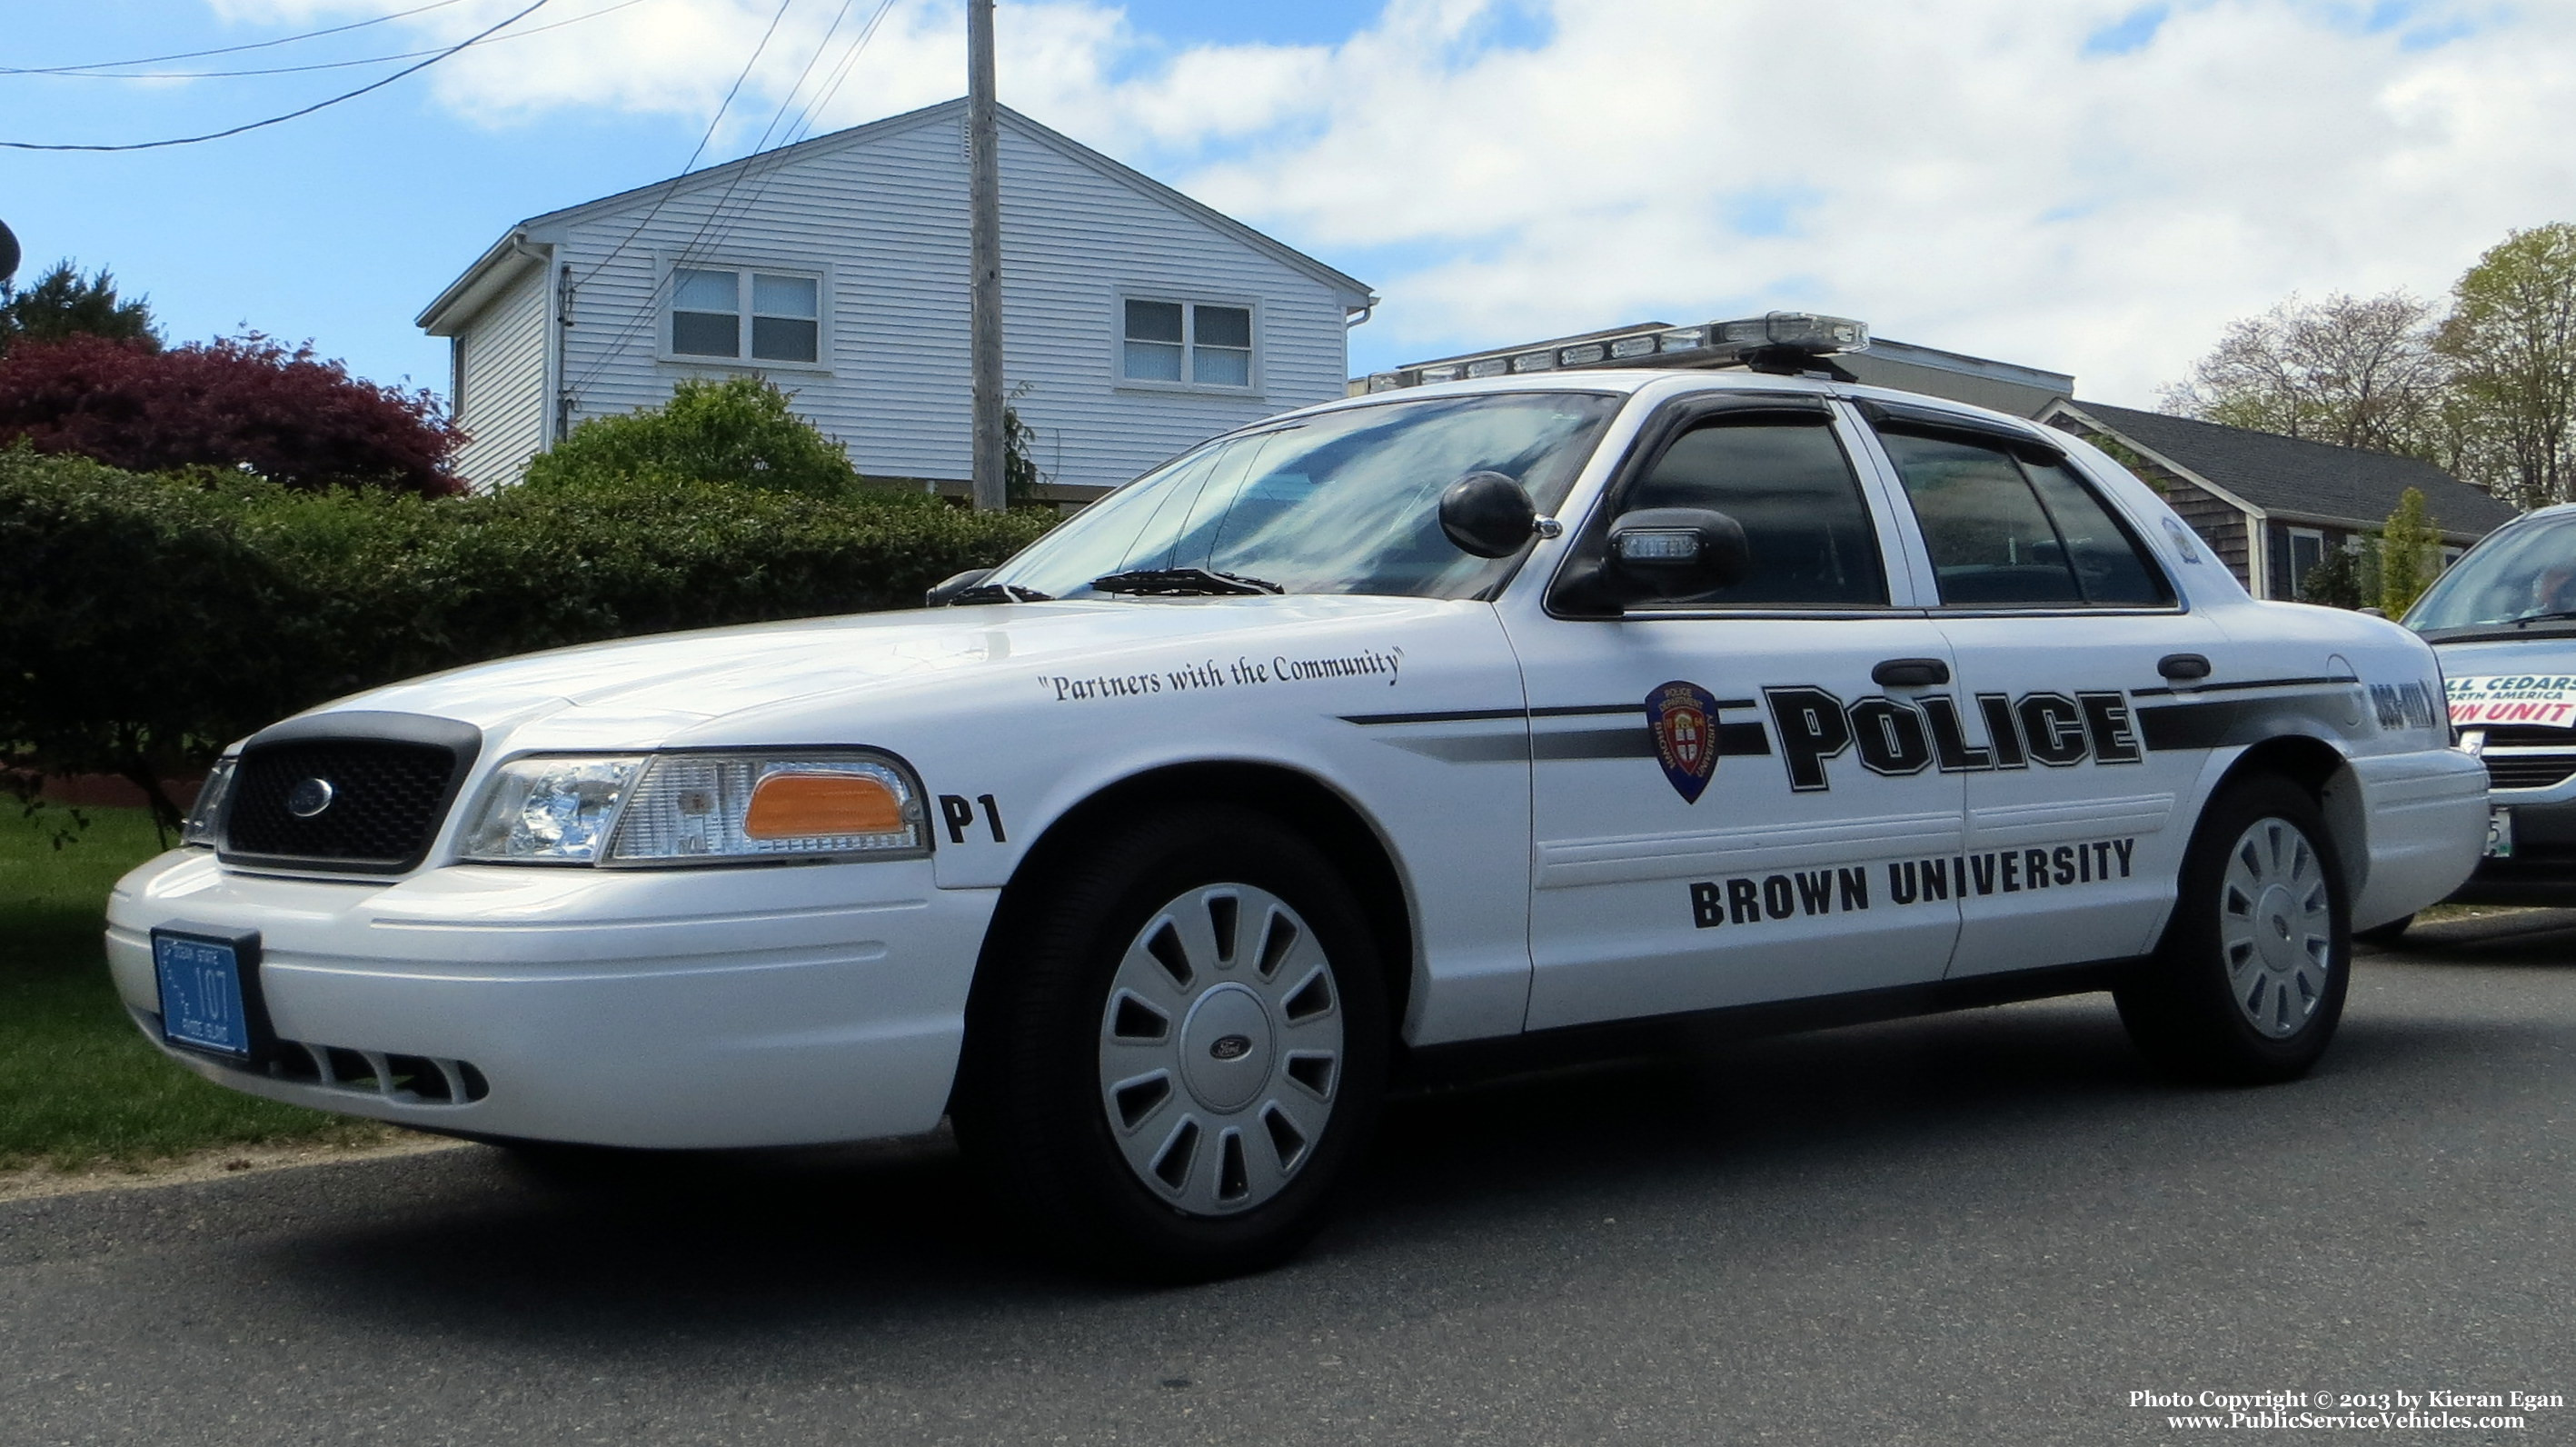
(1631, 381)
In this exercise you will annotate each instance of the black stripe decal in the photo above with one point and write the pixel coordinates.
(1570, 710)
(2238, 687)
(2224, 723)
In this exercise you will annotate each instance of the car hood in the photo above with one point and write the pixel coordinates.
(2541, 653)
(639, 691)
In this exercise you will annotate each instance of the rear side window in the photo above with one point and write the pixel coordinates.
(2004, 532)
(1794, 492)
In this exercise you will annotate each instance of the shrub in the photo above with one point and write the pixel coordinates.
(145, 622)
(135, 626)
(243, 403)
(2346, 577)
(739, 431)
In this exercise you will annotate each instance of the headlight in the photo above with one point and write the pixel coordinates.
(550, 811)
(206, 816)
(699, 808)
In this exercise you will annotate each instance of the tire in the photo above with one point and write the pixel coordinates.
(2248, 984)
(2384, 935)
(1152, 1098)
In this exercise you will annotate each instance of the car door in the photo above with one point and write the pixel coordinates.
(1727, 807)
(2060, 621)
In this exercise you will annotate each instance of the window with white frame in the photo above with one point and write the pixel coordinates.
(1191, 343)
(2307, 549)
(746, 313)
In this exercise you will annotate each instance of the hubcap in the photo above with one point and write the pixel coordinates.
(2276, 927)
(1220, 1049)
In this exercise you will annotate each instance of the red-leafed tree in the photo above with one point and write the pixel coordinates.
(247, 402)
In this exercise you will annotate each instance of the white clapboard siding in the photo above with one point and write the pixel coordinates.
(880, 211)
(503, 377)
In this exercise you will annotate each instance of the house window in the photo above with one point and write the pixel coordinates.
(1197, 344)
(782, 323)
(2307, 549)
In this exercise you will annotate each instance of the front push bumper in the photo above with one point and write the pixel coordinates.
(663, 1008)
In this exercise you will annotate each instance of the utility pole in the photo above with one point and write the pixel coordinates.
(984, 227)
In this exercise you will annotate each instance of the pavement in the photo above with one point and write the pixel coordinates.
(1990, 1227)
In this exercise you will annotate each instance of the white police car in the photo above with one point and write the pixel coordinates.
(1451, 714)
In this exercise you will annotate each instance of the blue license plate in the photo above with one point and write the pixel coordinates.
(203, 1005)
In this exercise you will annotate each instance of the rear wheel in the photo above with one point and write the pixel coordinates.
(2249, 982)
(1179, 1048)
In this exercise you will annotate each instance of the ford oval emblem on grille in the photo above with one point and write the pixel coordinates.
(309, 797)
(1231, 1047)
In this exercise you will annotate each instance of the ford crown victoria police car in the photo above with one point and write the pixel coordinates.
(1448, 714)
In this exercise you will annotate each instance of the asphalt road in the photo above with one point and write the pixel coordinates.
(1984, 1228)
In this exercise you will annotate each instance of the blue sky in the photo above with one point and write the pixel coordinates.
(2088, 185)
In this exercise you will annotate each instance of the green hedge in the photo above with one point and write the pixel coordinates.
(146, 621)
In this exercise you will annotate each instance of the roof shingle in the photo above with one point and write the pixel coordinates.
(2308, 479)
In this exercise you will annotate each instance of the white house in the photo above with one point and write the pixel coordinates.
(1136, 321)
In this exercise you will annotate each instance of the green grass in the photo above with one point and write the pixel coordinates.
(78, 1085)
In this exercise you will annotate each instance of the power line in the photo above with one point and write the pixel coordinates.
(227, 49)
(716, 218)
(701, 148)
(532, 8)
(653, 300)
(760, 143)
(87, 73)
(649, 312)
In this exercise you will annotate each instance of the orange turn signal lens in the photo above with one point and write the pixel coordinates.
(796, 806)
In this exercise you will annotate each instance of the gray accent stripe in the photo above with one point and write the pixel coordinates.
(1736, 740)
(1470, 715)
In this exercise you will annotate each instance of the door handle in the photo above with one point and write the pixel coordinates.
(1910, 673)
(2183, 667)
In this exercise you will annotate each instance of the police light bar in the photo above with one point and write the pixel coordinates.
(1776, 341)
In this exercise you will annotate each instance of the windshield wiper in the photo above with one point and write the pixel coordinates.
(999, 593)
(1182, 583)
(2555, 616)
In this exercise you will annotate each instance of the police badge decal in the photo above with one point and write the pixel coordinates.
(1683, 719)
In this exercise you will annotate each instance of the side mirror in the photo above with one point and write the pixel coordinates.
(938, 597)
(1674, 552)
(1488, 515)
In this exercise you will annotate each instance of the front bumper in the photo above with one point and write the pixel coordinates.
(2542, 870)
(2424, 817)
(661, 1008)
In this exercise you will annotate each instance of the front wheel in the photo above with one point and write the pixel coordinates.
(2249, 982)
(1180, 1047)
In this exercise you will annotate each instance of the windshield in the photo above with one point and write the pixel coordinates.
(2525, 574)
(1339, 502)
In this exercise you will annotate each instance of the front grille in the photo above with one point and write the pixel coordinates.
(407, 1079)
(361, 793)
(411, 1079)
(2528, 771)
(2529, 736)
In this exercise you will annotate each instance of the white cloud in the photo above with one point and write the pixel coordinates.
(1963, 175)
